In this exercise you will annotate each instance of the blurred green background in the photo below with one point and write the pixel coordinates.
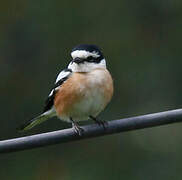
(141, 41)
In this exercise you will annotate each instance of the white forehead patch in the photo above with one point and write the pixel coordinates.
(84, 54)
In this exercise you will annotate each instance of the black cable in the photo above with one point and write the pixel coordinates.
(93, 130)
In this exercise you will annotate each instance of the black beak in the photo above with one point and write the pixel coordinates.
(77, 60)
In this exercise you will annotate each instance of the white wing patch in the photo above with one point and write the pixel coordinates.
(63, 74)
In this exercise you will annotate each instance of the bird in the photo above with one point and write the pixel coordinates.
(80, 92)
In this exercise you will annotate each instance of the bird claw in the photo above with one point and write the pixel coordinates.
(100, 122)
(78, 130)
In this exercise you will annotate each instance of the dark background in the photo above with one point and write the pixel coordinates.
(141, 41)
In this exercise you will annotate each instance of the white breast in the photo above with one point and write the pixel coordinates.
(93, 91)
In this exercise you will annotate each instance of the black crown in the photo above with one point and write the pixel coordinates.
(89, 48)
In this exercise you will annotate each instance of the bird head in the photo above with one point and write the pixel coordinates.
(86, 58)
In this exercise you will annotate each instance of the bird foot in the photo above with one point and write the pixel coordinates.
(78, 130)
(100, 122)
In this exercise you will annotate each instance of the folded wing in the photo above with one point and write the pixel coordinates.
(48, 110)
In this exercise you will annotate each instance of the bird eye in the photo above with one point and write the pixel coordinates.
(77, 60)
(90, 59)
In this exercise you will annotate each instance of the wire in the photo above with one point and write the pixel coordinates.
(93, 130)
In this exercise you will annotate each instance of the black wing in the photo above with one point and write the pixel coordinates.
(64, 75)
(49, 102)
